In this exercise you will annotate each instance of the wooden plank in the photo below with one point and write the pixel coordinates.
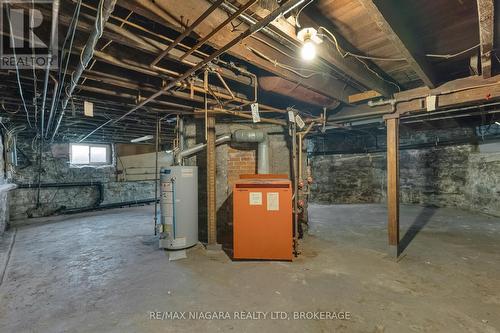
(189, 10)
(485, 9)
(473, 90)
(363, 96)
(388, 17)
(349, 65)
(393, 181)
(211, 185)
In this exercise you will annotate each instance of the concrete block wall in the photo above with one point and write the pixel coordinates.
(56, 169)
(461, 176)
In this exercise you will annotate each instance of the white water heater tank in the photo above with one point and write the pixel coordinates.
(178, 207)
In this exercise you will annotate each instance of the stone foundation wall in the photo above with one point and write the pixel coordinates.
(56, 169)
(465, 176)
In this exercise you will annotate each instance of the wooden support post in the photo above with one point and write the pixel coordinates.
(393, 183)
(211, 198)
(486, 17)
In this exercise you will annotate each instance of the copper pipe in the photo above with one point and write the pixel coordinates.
(218, 28)
(187, 31)
(224, 84)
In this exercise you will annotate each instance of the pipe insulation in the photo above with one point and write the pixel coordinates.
(105, 9)
(260, 137)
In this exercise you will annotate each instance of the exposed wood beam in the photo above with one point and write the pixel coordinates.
(349, 65)
(389, 18)
(322, 84)
(473, 90)
(485, 9)
(361, 97)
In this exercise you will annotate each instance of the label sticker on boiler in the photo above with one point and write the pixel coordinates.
(255, 198)
(273, 201)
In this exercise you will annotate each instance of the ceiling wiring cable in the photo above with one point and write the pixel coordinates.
(17, 67)
(449, 56)
(344, 53)
(11, 112)
(299, 12)
(331, 37)
(378, 75)
(289, 68)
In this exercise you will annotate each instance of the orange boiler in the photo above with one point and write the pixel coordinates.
(262, 218)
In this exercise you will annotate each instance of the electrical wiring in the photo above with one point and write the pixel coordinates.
(286, 67)
(299, 12)
(11, 112)
(17, 67)
(334, 41)
(449, 56)
(378, 75)
(332, 38)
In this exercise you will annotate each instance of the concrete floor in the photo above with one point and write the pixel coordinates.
(103, 272)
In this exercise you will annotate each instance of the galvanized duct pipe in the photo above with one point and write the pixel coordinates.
(199, 147)
(242, 136)
(105, 9)
(249, 136)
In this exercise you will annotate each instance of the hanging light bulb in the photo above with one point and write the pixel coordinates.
(308, 51)
(309, 38)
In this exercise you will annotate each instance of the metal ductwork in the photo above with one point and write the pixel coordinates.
(106, 7)
(261, 138)
(199, 147)
(242, 136)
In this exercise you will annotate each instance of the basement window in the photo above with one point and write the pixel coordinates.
(90, 154)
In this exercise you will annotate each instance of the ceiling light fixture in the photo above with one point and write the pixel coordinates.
(309, 38)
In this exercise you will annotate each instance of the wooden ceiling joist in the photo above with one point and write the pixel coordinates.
(355, 68)
(388, 16)
(322, 84)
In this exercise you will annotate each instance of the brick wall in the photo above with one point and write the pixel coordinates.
(241, 160)
(56, 169)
